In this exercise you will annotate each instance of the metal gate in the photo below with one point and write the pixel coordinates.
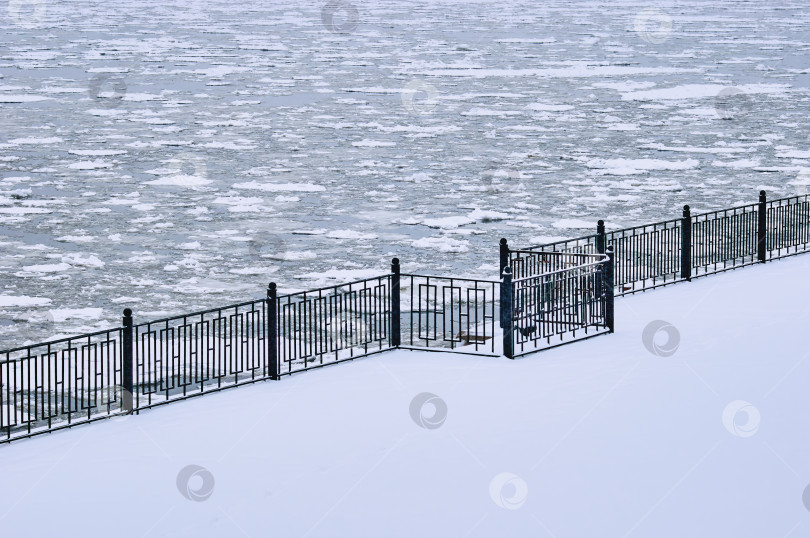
(553, 298)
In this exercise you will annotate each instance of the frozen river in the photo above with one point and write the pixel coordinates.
(180, 157)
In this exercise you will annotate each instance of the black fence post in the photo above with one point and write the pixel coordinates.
(396, 335)
(127, 363)
(600, 237)
(506, 312)
(762, 228)
(686, 244)
(504, 255)
(272, 330)
(504, 263)
(609, 274)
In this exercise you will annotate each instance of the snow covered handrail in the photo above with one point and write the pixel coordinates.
(565, 297)
(564, 261)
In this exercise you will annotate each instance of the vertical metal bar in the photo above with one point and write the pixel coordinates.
(609, 277)
(396, 336)
(127, 360)
(686, 244)
(600, 237)
(504, 255)
(762, 227)
(506, 312)
(272, 331)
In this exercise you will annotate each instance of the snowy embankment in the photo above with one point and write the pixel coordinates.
(602, 438)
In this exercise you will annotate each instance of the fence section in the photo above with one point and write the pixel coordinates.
(557, 298)
(725, 239)
(787, 226)
(55, 385)
(548, 295)
(333, 324)
(647, 256)
(182, 356)
(449, 314)
(675, 250)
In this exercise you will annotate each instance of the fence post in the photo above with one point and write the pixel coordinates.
(504, 263)
(608, 274)
(504, 255)
(272, 330)
(600, 237)
(396, 335)
(762, 216)
(686, 244)
(127, 363)
(506, 312)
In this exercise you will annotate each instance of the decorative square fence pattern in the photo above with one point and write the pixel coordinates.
(546, 296)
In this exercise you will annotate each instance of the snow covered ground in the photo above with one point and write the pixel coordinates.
(698, 430)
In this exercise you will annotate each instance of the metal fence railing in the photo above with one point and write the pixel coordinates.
(787, 226)
(449, 314)
(557, 298)
(183, 356)
(45, 387)
(333, 324)
(546, 296)
(676, 250)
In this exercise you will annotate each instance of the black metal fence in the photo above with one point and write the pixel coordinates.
(183, 356)
(553, 298)
(329, 325)
(677, 250)
(45, 387)
(547, 296)
(449, 314)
